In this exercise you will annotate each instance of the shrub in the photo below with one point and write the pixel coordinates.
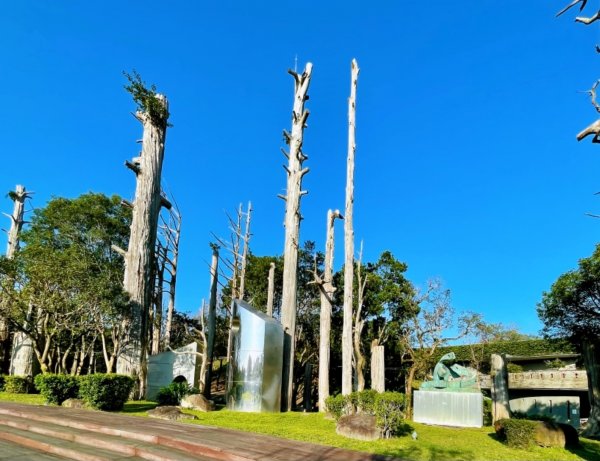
(364, 401)
(339, 405)
(18, 384)
(105, 391)
(174, 392)
(1, 382)
(518, 433)
(56, 388)
(514, 368)
(487, 411)
(389, 411)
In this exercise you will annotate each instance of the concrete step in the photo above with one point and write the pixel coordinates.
(62, 436)
(62, 448)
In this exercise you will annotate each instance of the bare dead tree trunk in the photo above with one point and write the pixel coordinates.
(500, 405)
(161, 255)
(294, 192)
(139, 258)
(173, 229)
(22, 351)
(212, 315)
(349, 237)
(246, 243)
(327, 290)
(377, 366)
(271, 290)
(592, 366)
(359, 324)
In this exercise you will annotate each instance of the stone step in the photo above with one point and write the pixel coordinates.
(62, 448)
(115, 445)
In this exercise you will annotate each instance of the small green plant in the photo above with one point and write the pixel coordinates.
(514, 368)
(57, 388)
(518, 433)
(364, 401)
(105, 391)
(174, 392)
(18, 384)
(554, 364)
(146, 99)
(389, 411)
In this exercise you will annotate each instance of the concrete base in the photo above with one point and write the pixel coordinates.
(444, 408)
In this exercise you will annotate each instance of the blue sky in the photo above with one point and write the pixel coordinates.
(467, 166)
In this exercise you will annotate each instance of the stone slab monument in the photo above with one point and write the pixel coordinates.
(451, 398)
(163, 368)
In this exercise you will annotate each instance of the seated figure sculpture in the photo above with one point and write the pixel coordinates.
(449, 375)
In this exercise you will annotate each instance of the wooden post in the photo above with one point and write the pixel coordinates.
(349, 237)
(500, 405)
(377, 367)
(212, 315)
(140, 254)
(327, 290)
(271, 290)
(294, 192)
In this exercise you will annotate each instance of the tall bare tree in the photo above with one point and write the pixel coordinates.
(172, 232)
(152, 113)
(327, 289)
(22, 349)
(212, 318)
(359, 325)
(349, 237)
(295, 173)
(271, 289)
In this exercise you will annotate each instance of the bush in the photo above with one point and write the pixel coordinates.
(1, 382)
(389, 411)
(487, 411)
(57, 388)
(339, 405)
(518, 433)
(18, 384)
(514, 368)
(105, 391)
(364, 401)
(174, 392)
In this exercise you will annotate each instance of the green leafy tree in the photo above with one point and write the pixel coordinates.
(571, 309)
(68, 280)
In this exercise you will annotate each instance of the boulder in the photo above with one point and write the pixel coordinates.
(556, 435)
(169, 413)
(197, 402)
(358, 426)
(73, 403)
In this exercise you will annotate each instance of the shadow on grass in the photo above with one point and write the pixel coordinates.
(587, 450)
(138, 407)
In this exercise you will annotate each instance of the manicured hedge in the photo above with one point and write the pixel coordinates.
(388, 408)
(57, 388)
(518, 433)
(174, 392)
(18, 384)
(105, 391)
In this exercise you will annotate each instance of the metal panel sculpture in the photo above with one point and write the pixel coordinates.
(254, 381)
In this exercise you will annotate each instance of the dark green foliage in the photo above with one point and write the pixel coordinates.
(146, 99)
(338, 405)
(18, 384)
(514, 368)
(1, 383)
(57, 388)
(389, 410)
(518, 433)
(105, 391)
(174, 392)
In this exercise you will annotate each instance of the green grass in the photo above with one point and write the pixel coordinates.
(433, 443)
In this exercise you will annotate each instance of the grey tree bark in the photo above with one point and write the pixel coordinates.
(212, 316)
(295, 172)
(173, 232)
(140, 253)
(21, 353)
(349, 237)
(500, 405)
(327, 290)
(359, 325)
(246, 245)
(271, 290)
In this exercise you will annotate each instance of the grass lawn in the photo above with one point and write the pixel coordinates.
(433, 443)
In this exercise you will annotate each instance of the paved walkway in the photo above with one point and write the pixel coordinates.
(88, 435)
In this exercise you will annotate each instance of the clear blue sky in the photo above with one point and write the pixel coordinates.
(467, 166)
